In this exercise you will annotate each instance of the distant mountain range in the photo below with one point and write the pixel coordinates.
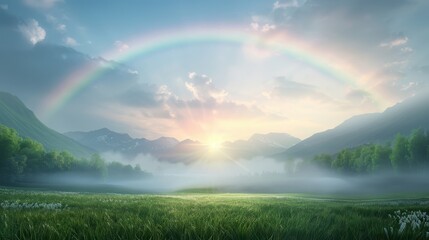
(14, 114)
(104, 140)
(170, 149)
(368, 128)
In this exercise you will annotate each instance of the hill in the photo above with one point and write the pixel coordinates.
(14, 114)
(382, 127)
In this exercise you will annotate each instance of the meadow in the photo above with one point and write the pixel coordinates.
(26, 214)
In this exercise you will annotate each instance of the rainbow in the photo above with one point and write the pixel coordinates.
(285, 45)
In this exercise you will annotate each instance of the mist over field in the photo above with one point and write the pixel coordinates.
(257, 175)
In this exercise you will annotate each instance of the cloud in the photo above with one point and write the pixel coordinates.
(406, 49)
(121, 46)
(356, 95)
(262, 24)
(207, 102)
(203, 89)
(4, 6)
(255, 26)
(284, 88)
(408, 86)
(61, 27)
(395, 42)
(146, 95)
(285, 4)
(32, 31)
(268, 27)
(366, 37)
(69, 41)
(42, 3)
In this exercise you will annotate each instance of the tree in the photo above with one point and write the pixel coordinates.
(381, 159)
(323, 160)
(365, 159)
(98, 164)
(343, 161)
(9, 142)
(11, 165)
(400, 155)
(67, 160)
(34, 152)
(51, 162)
(417, 147)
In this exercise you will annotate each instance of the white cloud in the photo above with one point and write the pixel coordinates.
(202, 88)
(268, 27)
(61, 27)
(262, 27)
(408, 86)
(395, 42)
(41, 3)
(69, 41)
(121, 46)
(4, 6)
(406, 49)
(286, 4)
(32, 31)
(254, 26)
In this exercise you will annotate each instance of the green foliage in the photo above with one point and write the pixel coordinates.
(11, 164)
(404, 154)
(118, 171)
(97, 163)
(24, 158)
(343, 161)
(323, 160)
(381, 159)
(417, 147)
(400, 154)
(9, 142)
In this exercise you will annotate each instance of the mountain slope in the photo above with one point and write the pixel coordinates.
(14, 114)
(368, 128)
(261, 145)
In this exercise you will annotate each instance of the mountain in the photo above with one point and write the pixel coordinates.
(187, 151)
(170, 149)
(14, 114)
(368, 128)
(104, 140)
(261, 145)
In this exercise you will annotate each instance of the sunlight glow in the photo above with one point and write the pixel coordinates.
(214, 144)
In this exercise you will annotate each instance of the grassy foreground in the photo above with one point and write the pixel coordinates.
(60, 215)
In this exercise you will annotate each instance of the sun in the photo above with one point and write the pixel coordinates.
(214, 144)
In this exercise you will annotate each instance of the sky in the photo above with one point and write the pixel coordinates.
(205, 70)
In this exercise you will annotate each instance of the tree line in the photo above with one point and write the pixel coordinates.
(403, 154)
(22, 158)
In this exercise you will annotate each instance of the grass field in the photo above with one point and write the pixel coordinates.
(62, 215)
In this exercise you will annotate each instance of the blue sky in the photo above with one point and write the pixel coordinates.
(215, 90)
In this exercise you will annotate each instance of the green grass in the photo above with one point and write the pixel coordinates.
(201, 216)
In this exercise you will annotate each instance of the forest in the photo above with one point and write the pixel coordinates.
(23, 159)
(403, 154)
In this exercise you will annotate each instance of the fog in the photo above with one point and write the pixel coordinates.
(256, 175)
